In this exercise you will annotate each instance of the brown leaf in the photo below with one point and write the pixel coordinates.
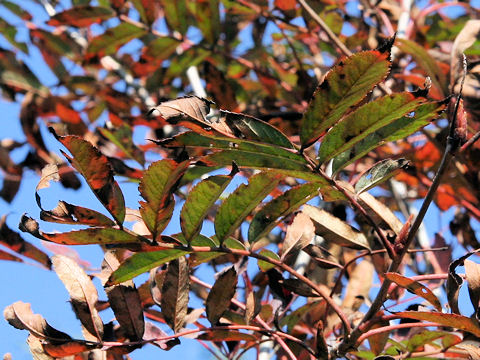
(378, 341)
(454, 281)
(182, 108)
(10, 257)
(15, 242)
(66, 213)
(467, 36)
(332, 229)
(299, 234)
(124, 300)
(20, 316)
(472, 274)
(298, 287)
(153, 335)
(83, 295)
(380, 213)
(36, 349)
(49, 173)
(175, 291)
(222, 292)
(226, 335)
(322, 257)
(253, 306)
(359, 284)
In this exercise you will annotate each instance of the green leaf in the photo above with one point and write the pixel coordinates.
(17, 10)
(379, 173)
(81, 16)
(221, 294)
(15, 73)
(199, 201)
(175, 289)
(156, 187)
(452, 320)
(415, 288)
(426, 62)
(332, 229)
(142, 262)
(10, 32)
(366, 120)
(398, 129)
(242, 201)
(108, 42)
(122, 136)
(176, 15)
(96, 169)
(207, 14)
(268, 217)
(251, 128)
(344, 86)
(265, 265)
(100, 236)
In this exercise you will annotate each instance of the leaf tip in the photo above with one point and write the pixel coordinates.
(387, 44)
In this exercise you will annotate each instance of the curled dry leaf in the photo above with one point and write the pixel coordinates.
(335, 230)
(83, 295)
(299, 234)
(359, 285)
(467, 36)
(472, 274)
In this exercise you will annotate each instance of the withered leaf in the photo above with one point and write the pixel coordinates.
(335, 230)
(124, 300)
(298, 287)
(222, 292)
(359, 284)
(175, 292)
(472, 274)
(299, 234)
(252, 306)
(153, 334)
(83, 295)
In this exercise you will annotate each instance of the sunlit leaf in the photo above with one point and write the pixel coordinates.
(344, 86)
(379, 173)
(267, 218)
(83, 295)
(397, 130)
(242, 201)
(222, 292)
(452, 320)
(335, 230)
(157, 187)
(81, 16)
(265, 265)
(108, 42)
(141, 262)
(415, 288)
(364, 121)
(199, 201)
(95, 168)
(175, 290)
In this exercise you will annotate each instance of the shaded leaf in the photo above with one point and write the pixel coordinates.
(298, 235)
(66, 213)
(247, 127)
(366, 120)
(253, 306)
(378, 341)
(10, 32)
(323, 258)
(108, 42)
(298, 287)
(379, 173)
(15, 73)
(344, 86)
(10, 257)
(16, 243)
(268, 217)
(20, 316)
(156, 187)
(207, 15)
(359, 285)
(233, 211)
(415, 288)
(199, 201)
(81, 16)
(175, 292)
(122, 137)
(68, 348)
(176, 15)
(147, 9)
(95, 168)
(83, 295)
(142, 262)
(222, 292)
(265, 265)
(124, 300)
(426, 62)
(335, 230)
(453, 320)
